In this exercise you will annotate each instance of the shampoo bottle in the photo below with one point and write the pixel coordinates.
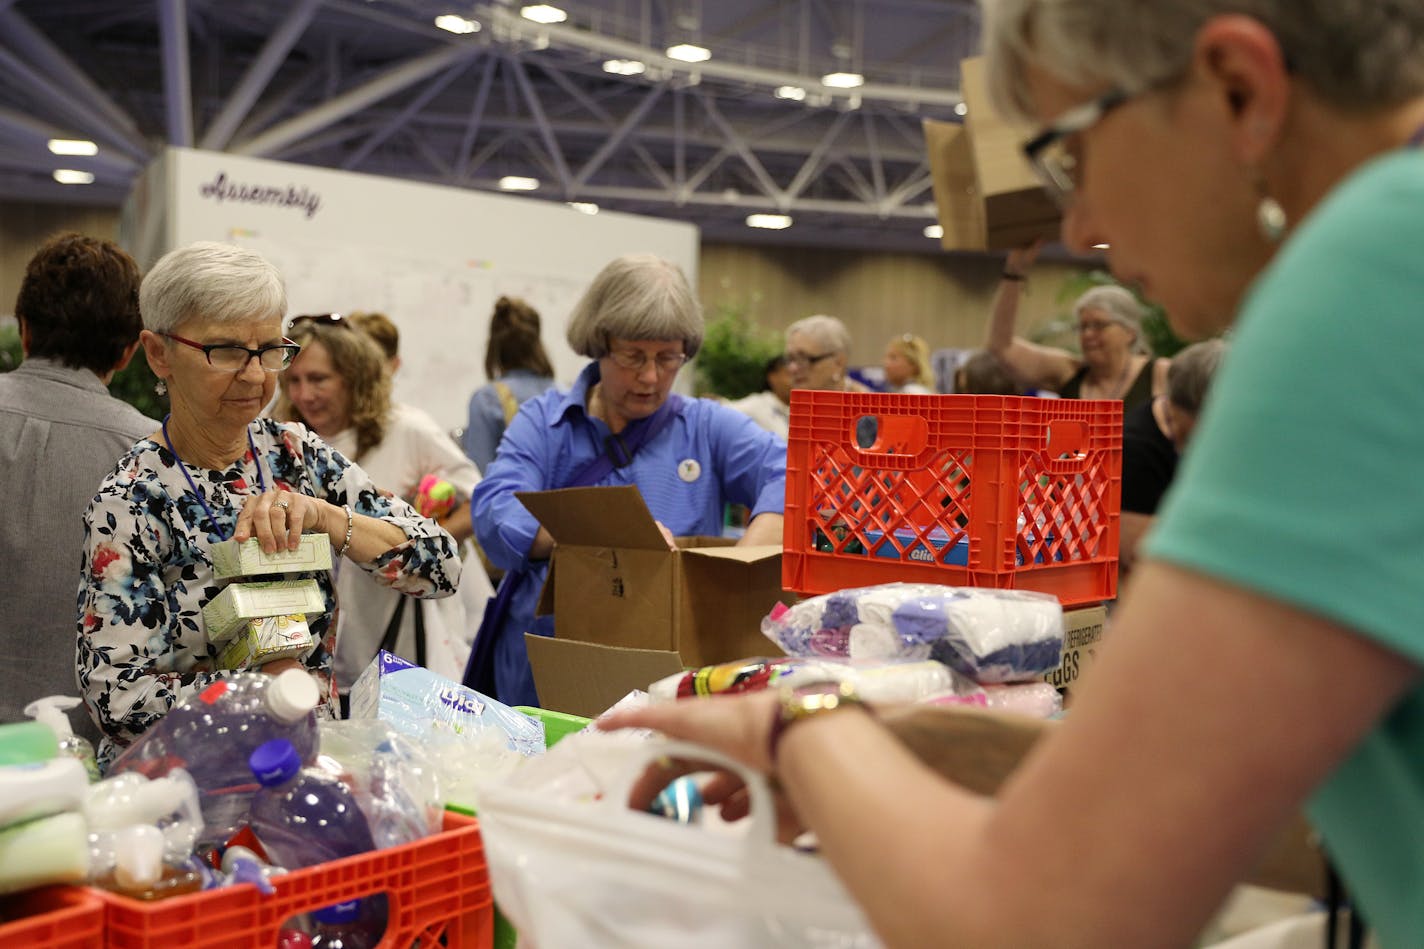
(53, 711)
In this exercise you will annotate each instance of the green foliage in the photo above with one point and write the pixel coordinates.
(734, 352)
(134, 385)
(1155, 327)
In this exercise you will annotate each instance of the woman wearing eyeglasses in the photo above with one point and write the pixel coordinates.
(1115, 363)
(818, 352)
(619, 424)
(1260, 163)
(212, 334)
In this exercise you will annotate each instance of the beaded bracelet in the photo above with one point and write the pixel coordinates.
(350, 526)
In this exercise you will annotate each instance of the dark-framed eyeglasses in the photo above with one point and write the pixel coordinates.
(229, 357)
(805, 359)
(319, 319)
(1048, 152)
(634, 360)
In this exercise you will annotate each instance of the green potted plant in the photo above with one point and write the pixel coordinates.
(735, 350)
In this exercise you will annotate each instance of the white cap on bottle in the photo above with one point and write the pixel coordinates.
(138, 856)
(51, 710)
(291, 695)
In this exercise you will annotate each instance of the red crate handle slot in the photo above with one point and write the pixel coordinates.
(1066, 447)
(902, 442)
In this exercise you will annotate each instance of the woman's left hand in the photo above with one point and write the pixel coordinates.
(277, 519)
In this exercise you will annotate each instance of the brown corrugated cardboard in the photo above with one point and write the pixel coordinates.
(586, 678)
(956, 191)
(1082, 634)
(614, 581)
(1016, 209)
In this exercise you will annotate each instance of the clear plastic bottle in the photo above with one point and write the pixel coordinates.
(52, 711)
(305, 816)
(213, 733)
(345, 926)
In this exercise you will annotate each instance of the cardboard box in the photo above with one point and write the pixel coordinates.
(266, 640)
(1082, 634)
(988, 195)
(231, 559)
(227, 613)
(614, 582)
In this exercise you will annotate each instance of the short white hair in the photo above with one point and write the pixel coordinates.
(217, 283)
(829, 332)
(639, 297)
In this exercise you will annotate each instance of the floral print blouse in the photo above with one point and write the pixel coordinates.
(147, 570)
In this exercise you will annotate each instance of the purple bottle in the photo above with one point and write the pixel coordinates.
(212, 734)
(345, 926)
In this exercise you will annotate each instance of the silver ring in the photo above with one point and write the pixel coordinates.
(282, 504)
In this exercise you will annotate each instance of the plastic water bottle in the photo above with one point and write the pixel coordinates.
(304, 816)
(345, 926)
(213, 733)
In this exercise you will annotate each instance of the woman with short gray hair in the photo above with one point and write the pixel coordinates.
(620, 424)
(818, 354)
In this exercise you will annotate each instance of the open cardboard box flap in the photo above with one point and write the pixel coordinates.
(587, 678)
(595, 517)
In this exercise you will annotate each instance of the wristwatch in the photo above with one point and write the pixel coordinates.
(802, 701)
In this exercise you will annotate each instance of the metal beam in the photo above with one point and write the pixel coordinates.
(546, 132)
(744, 152)
(35, 135)
(21, 35)
(258, 74)
(393, 80)
(477, 112)
(87, 122)
(812, 164)
(404, 116)
(611, 144)
(177, 87)
(877, 167)
(917, 183)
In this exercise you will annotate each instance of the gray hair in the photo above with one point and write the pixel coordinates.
(220, 283)
(1120, 306)
(826, 330)
(638, 297)
(1354, 54)
(1190, 374)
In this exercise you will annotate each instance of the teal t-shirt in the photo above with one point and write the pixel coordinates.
(1305, 483)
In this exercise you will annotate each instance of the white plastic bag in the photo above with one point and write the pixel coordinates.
(594, 874)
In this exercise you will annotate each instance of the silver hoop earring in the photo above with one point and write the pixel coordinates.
(160, 388)
(1271, 219)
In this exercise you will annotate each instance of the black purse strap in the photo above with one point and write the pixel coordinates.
(388, 641)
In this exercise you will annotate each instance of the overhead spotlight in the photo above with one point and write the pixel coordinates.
(934, 232)
(624, 67)
(518, 183)
(454, 23)
(583, 207)
(1100, 247)
(543, 13)
(961, 109)
(72, 146)
(68, 176)
(795, 93)
(843, 80)
(689, 53)
(773, 222)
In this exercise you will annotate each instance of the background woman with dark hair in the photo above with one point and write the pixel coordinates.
(518, 369)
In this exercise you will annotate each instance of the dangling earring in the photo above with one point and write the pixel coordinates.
(1270, 217)
(160, 388)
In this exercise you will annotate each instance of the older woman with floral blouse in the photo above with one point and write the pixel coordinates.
(213, 318)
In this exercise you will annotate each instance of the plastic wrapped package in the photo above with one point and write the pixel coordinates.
(986, 634)
(396, 781)
(888, 680)
(1036, 699)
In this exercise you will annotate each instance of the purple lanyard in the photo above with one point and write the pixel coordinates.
(261, 484)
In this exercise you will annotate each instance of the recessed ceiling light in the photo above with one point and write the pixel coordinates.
(518, 183)
(453, 23)
(774, 222)
(1100, 247)
(543, 13)
(72, 146)
(961, 109)
(843, 80)
(624, 67)
(583, 207)
(68, 176)
(689, 53)
(934, 232)
(790, 92)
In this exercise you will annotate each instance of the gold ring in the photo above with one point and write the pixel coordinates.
(282, 504)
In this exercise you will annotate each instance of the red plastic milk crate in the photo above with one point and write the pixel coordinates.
(965, 490)
(52, 917)
(437, 889)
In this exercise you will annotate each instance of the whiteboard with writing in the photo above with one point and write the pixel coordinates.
(434, 259)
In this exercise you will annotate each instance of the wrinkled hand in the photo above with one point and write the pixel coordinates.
(277, 519)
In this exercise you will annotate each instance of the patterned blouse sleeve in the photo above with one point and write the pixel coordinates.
(134, 640)
(426, 565)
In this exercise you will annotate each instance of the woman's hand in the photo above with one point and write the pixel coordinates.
(1020, 259)
(279, 666)
(739, 726)
(277, 519)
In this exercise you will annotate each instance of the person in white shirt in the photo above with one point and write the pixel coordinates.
(771, 407)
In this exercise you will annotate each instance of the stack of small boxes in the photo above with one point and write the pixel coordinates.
(264, 620)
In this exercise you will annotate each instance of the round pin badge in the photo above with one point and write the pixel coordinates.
(689, 470)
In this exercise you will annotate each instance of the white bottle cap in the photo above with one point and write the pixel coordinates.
(138, 854)
(291, 695)
(51, 710)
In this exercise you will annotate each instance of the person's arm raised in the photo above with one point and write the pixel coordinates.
(1032, 365)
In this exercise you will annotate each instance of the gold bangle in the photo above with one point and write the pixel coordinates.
(350, 526)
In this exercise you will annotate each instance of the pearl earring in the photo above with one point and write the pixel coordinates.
(1270, 217)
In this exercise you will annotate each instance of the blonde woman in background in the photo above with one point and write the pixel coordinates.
(907, 365)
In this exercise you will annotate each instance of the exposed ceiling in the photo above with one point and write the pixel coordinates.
(374, 86)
